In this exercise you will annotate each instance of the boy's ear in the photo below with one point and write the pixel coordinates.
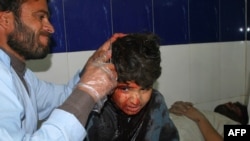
(6, 19)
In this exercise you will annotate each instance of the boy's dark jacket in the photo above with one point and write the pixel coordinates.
(152, 123)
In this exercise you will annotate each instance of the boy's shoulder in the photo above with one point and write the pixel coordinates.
(156, 95)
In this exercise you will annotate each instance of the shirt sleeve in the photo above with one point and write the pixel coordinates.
(48, 96)
(59, 126)
(162, 127)
(169, 131)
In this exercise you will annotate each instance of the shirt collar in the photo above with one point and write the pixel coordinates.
(18, 65)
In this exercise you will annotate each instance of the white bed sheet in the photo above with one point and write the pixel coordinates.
(189, 131)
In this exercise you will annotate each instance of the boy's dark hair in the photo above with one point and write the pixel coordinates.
(224, 110)
(137, 58)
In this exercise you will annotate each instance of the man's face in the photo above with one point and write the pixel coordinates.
(31, 36)
(130, 97)
(231, 110)
(234, 108)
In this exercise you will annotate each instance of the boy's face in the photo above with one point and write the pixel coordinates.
(130, 97)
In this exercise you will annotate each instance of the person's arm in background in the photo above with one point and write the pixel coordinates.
(187, 109)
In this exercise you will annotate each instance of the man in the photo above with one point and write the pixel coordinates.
(206, 125)
(25, 34)
(235, 111)
(134, 111)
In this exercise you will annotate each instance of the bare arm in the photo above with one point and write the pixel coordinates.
(187, 109)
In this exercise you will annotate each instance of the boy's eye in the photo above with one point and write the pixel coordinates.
(123, 88)
(146, 89)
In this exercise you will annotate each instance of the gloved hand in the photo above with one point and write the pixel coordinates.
(99, 76)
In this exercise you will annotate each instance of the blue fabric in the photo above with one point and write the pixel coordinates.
(152, 123)
(20, 111)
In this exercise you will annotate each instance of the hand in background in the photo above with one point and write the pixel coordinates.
(187, 109)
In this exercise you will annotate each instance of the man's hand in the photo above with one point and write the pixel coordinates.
(99, 76)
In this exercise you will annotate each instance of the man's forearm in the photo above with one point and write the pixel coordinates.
(79, 104)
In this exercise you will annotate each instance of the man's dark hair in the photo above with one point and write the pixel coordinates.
(137, 58)
(224, 110)
(11, 6)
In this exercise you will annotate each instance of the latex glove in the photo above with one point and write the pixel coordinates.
(99, 76)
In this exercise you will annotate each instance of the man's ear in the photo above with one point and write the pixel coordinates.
(6, 18)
